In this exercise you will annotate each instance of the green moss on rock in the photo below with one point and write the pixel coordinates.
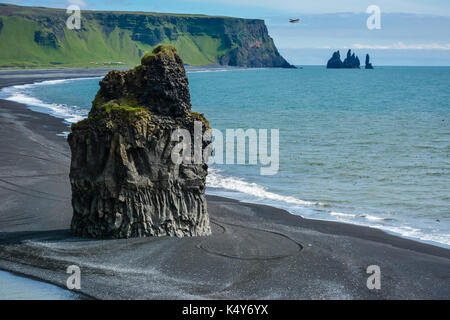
(161, 49)
(201, 117)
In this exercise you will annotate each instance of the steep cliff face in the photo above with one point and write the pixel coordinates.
(111, 37)
(251, 45)
(124, 182)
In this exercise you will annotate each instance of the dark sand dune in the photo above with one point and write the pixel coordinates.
(255, 252)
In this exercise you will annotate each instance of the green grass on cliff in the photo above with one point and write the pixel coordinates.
(38, 37)
(94, 46)
(20, 50)
(198, 50)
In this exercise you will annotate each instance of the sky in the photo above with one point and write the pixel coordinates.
(252, 8)
(412, 32)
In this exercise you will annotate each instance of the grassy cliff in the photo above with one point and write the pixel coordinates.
(38, 37)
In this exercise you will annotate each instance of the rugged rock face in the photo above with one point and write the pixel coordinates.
(159, 84)
(350, 62)
(124, 183)
(335, 61)
(368, 64)
(252, 47)
(46, 39)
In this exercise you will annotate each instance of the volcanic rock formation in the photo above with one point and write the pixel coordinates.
(350, 62)
(368, 64)
(124, 182)
(335, 61)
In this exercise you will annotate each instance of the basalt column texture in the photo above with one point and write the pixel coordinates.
(124, 182)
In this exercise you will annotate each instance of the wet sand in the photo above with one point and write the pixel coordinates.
(255, 251)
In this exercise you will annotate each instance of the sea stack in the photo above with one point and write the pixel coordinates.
(368, 64)
(124, 182)
(335, 61)
(352, 61)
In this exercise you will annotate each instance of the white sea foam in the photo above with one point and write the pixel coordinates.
(254, 193)
(216, 180)
(50, 82)
(70, 114)
(19, 93)
(432, 236)
(344, 215)
(360, 216)
(374, 218)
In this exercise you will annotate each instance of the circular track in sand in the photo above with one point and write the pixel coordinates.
(246, 243)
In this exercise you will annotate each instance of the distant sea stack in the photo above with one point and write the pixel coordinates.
(109, 38)
(124, 182)
(368, 64)
(335, 61)
(350, 62)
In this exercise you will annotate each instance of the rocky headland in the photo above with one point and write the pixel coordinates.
(123, 37)
(124, 182)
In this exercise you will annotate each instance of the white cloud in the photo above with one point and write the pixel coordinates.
(402, 46)
(395, 46)
(328, 6)
(79, 3)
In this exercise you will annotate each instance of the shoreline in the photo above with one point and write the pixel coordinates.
(36, 244)
(36, 289)
(84, 74)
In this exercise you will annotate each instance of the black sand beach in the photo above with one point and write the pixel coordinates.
(255, 252)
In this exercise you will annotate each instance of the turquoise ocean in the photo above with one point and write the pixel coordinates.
(367, 147)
